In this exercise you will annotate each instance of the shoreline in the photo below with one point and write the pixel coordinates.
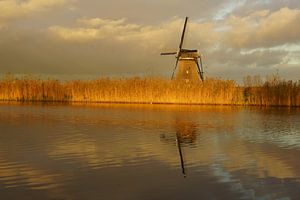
(140, 103)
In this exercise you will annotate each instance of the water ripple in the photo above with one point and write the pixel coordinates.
(83, 152)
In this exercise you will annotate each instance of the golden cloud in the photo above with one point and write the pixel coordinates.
(259, 29)
(164, 35)
(96, 22)
(95, 28)
(264, 29)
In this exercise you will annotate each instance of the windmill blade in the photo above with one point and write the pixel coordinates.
(176, 64)
(168, 53)
(180, 46)
(200, 69)
(183, 33)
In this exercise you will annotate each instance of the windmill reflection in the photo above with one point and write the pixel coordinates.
(186, 134)
(180, 153)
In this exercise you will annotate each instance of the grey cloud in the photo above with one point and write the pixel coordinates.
(257, 58)
(273, 5)
(14, 9)
(149, 12)
(36, 53)
(109, 38)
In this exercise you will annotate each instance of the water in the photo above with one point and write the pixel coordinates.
(56, 151)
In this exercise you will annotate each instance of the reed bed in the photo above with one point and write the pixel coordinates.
(152, 90)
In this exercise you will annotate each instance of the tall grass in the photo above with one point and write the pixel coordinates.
(273, 92)
(152, 90)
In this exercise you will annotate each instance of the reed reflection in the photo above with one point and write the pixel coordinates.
(61, 149)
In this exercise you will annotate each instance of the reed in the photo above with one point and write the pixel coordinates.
(272, 92)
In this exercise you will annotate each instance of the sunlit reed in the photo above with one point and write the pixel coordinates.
(272, 92)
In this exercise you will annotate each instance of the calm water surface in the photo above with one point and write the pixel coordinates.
(52, 151)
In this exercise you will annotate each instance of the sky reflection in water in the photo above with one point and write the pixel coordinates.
(103, 151)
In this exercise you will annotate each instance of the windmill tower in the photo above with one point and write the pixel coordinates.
(188, 60)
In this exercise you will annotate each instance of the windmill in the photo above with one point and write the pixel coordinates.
(188, 60)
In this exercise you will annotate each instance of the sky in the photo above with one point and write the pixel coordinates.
(121, 38)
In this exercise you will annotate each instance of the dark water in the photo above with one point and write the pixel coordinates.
(50, 151)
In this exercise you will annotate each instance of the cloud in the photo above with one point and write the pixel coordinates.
(250, 6)
(149, 12)
(163, 36)
(257, 58)
(259, 29)
(233, 47)
(14, 9)
(96, 22)
(264, 29)
(96, 29)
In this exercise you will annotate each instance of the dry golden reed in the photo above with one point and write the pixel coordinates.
(153, 90)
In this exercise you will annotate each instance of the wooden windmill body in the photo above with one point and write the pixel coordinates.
(189, 62)
(187, 67)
